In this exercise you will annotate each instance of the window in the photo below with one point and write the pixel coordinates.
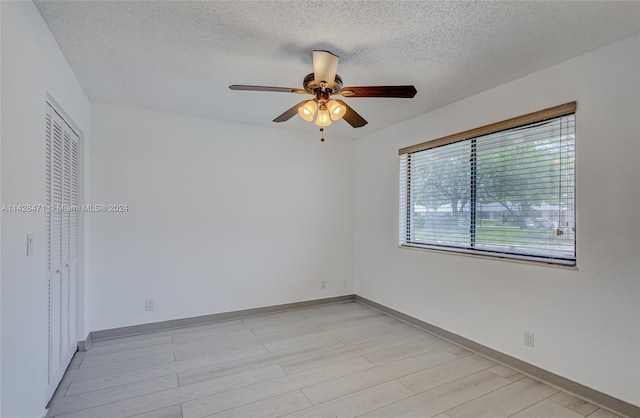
(503, 190)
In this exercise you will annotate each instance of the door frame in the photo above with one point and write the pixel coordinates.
(79, 285)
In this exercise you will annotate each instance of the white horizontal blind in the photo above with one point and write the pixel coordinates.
(508, 194)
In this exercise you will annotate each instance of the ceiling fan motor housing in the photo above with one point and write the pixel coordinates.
(312, 87)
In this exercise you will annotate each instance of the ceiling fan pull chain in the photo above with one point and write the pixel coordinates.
(321, 134)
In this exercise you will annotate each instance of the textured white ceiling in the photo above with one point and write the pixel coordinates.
(181, 56)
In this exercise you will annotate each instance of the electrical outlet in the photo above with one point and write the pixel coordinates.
(345, 282)
(528, 339)
(149, 305)
(323, 284)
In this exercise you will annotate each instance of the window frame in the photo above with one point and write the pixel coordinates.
(406, 229)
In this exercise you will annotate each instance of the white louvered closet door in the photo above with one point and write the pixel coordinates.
(62, 151)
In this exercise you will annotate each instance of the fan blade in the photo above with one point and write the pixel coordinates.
(289, 113)
(325, 67)
(406, 92)
(267, 88)
(352, 117)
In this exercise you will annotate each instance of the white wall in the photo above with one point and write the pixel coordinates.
(0, 219)
(32, 65)
(222, 216)
(586, 321)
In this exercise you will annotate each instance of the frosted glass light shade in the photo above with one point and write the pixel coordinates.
(307, 110)
(325, 66)
(323, 118)
(336, 109)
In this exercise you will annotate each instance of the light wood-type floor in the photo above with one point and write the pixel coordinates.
(338, 360)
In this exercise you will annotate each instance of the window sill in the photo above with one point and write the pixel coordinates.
(521, 259)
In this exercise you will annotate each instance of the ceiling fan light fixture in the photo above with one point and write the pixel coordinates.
(322, 84)
(336, 109)
(308, 110)
(323, 118)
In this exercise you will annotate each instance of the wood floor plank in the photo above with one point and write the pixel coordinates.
(165, 337)
(130, 376)
(357, 403)
(507, 373)
(128, 343)
(547, 409)
(160, 336)
(584, 408)
(365, 328)
(121, 366)
(406, 350)
(203, 347)
(390, 330)
(114, 394)
(445, 373)
(347, 352)
(165, 398)
(505, 401)
(273, 318)
(320, 335)
(336, 388)
(208, 334)
(204, 372)
(217, 403)
(279, 328)
(458, 351)
(363, 318)
(268, 408)
(220, 343)
(222, 326)
(331, 315)
(173, 411)
(603, 413)
(208, 325)
(144, 339)
(145, 352)
(317, 312)
(442, 398)
(286, 343)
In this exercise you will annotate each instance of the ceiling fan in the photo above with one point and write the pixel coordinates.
(323, 83)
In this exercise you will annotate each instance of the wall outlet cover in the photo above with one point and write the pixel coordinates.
(149, 305)
(528, 339)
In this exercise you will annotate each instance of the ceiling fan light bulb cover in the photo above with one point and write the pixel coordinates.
(308, 110)
(323, 118)
(336, 109)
